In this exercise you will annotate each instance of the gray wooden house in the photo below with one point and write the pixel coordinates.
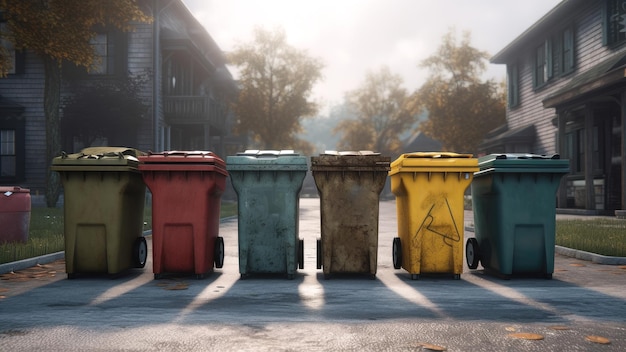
(566, 77)
(187, 95)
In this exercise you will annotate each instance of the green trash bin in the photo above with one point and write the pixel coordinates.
(349, 185)
(268, 183)
(514, 203)
(104, 197)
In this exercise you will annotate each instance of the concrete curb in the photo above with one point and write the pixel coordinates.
(592, 257)
(49, 258)
(27, 263)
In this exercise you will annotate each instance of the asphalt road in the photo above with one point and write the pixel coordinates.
(583, 308)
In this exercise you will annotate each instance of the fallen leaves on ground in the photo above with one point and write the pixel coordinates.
(431, 347)
(173, 286)
(527, 336)
(36, 272)
(598, 339)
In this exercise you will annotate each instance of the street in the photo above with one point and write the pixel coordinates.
(583, 308)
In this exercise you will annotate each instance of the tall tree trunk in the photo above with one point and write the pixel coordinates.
(51, 99)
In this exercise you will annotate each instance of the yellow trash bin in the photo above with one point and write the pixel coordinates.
(429, 189)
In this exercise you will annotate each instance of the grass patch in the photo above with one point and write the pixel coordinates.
(600, 236)
(46, 236)
(46, 232)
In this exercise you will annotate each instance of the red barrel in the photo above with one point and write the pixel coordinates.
(186, 191)
(14, 214)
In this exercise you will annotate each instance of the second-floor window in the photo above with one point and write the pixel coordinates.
(615, 22)
(541, 65)
(16, 58)
(567, 52)
(103, 62)
(555, 57)
(110, 53)
(513, 85)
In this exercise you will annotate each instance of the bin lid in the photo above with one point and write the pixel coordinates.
(522, 162)
(8, 190)
(363, 160)
(98, 158)
(182, 160)
(434, 162)
(268, 160)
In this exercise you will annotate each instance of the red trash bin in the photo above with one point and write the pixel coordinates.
(14, 214)
(186, 191)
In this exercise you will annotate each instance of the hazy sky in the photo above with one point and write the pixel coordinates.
(353, 37)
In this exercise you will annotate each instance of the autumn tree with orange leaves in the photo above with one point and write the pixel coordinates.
(276, 83)
(461, 107)
(383, 113)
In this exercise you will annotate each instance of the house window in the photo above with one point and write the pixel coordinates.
(15, 58)
(614, 22)
(103, 62)
(566, 59)
(8, 157)
(541, 65)
(513, 85)
(110, 53)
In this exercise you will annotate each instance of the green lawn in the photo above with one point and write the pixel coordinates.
(601, 236)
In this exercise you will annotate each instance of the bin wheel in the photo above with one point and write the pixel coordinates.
(218, 256)
(289, 276)
(397, 253)
(547, 276)
(457, 276)
(319, 253)
(140, 252)
(158, 276)
(472, 253)
(71, 276)
(415, 276)
(300, 254)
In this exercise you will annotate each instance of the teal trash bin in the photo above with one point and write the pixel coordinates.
(268, 183)
(514, 203)
(349, 185)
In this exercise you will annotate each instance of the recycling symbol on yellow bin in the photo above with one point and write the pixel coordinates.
(440, 221)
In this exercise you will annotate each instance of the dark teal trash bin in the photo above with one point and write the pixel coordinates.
(514, 203)
(268, 184)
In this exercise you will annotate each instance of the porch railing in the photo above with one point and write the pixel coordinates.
(193, 109)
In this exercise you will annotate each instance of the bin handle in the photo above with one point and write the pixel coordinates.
(183, 153)
(100, 156)
(528, 156)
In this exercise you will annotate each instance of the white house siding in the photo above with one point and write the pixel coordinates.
(140, 43)
(27, 90)
(589, 52)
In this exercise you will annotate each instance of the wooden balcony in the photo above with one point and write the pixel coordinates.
(193, 110)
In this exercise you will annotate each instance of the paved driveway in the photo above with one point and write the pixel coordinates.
(42, 310)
